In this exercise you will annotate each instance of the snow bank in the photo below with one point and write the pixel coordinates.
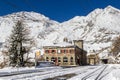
(114, 74)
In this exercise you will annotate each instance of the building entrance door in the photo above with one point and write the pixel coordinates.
(92, 61)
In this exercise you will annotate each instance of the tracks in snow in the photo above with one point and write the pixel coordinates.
(48, 74)
(90, 72)
(96, 74)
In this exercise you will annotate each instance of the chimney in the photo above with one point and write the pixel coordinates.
(79, 43)
(65, 39)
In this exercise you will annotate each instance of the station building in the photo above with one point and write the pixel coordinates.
(66, 54)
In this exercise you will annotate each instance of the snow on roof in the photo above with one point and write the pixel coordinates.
(61, 44)
(91, 53)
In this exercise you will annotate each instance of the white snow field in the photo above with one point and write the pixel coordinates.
(98, 72)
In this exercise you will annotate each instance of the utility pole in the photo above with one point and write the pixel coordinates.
(35, 60)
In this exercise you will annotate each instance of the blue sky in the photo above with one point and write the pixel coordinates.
(59, 10)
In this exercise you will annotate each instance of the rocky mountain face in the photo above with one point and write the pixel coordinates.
(98, 29)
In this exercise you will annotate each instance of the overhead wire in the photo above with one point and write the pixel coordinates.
(11, 4)
(16, 7)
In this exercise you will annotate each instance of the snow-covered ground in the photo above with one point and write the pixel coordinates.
(98, 72)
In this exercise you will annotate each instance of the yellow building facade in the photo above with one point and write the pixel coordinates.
(66, 55)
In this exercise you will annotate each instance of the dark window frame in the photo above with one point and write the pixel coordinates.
(59, 59)
(47, 58)
(71, 59)
(65, 59)
(53, 59)
(53, 51)
(46, 51)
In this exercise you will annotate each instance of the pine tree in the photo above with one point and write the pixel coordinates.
(19, 44)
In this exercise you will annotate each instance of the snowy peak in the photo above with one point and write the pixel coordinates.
(36, 22)
(99, 18)
(94, 13)
(97, 29)
(111, 9)
(28, 16)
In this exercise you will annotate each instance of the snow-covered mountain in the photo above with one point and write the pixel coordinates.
(97, 29)
(36, 22)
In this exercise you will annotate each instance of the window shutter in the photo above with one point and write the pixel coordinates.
(66, 51)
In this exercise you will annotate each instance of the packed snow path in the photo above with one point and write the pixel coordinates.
(95, 74)
(48, 73)
(101, 72)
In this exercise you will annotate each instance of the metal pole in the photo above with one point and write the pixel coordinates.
(35, 60)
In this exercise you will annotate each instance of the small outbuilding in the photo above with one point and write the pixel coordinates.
(93, 59)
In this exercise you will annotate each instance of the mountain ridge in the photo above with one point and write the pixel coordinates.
(96, 29)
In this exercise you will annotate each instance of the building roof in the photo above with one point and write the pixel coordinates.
(91, 53)
(62, 44)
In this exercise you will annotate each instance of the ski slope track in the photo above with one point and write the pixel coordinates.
(97, 72)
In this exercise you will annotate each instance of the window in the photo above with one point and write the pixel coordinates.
(53, 59)
(53, 51)
(59, 59)
(71, 51)
(65, 59)
(71, 59)
(46, 51)
(47, 59)
(64, 51)
(58, 51)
